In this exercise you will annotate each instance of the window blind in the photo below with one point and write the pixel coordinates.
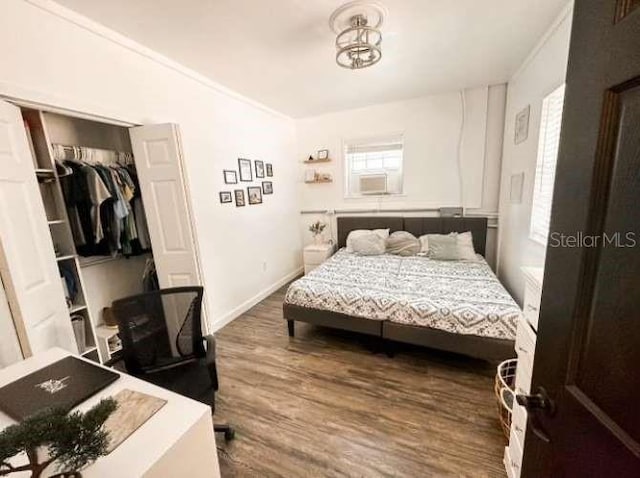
(548, 144)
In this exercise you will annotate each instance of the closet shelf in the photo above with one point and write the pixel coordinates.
(56, 221)
(76, 308)
(95, 260)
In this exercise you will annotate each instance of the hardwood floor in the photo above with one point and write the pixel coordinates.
(322, 404)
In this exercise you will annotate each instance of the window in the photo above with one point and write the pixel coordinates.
(548, 143)
(374, 166)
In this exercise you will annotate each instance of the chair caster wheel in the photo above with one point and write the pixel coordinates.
(229, 434)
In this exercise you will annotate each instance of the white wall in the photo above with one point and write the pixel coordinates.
(543, 71)
(57, 57)
(431, 127)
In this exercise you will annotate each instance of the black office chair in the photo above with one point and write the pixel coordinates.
(162, 343)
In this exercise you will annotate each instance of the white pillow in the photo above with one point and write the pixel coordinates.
(382, 233)
(368, 243)
(466, 252)
(424, 245)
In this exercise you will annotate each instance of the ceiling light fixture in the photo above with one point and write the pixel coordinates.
(357, 26)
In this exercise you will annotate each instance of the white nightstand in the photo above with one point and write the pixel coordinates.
(316, 254)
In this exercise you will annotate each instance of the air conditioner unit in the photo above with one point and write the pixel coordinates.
(373, 184)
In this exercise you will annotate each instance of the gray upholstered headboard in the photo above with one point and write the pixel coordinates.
(417, 226)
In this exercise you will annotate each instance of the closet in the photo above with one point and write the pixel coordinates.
(85, 205)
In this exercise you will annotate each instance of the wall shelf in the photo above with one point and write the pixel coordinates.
(317, 161)
(319, 181)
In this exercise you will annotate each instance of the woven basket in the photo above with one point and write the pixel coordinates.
(504, 390)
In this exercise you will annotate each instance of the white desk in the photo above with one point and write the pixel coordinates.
(177, 441)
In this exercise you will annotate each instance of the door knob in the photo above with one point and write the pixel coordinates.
(535, 403)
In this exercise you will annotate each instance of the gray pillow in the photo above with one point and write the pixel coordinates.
(403, 243)
(368, 244)
(443, 247)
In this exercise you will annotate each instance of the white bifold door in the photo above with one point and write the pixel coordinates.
(27, 258)
(158, 157)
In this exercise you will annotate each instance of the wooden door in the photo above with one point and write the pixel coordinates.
(159, 164)
(587, 358)
(27, 258)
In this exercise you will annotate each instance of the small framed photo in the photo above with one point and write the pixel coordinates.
(522, 125)
(259, 169)
(230, 177)
(267, 187)
(225, 196)
(244, 166)
(323, 154)
(269, 170)
(239, 194)
(255, 194)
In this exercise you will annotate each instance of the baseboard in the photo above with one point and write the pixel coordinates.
(242, 308)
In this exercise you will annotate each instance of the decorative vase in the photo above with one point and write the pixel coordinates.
(317, 239)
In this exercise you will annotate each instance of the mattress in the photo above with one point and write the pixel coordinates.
(457, 297)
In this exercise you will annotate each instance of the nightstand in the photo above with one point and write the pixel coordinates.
(316, 254)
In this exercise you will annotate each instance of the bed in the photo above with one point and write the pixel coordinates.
(449, 305)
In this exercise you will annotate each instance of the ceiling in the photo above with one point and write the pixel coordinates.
(281, 52)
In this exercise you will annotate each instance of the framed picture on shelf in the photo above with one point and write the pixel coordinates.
(255, 194)
(244, 166)
(267, 187)
(323, 154)
(269, 170)
(225, 196)
(230, 177)
(259, 169)
(239, 194)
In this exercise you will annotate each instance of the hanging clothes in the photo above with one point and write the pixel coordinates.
(103, 201)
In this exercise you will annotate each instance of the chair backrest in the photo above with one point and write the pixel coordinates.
(160, 326)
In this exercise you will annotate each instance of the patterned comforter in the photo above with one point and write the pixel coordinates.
(459, 297)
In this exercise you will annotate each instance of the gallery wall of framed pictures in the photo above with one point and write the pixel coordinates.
(247, 173)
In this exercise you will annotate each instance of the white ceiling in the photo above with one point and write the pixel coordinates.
(281, 52)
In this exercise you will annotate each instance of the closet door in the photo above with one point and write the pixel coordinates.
(158, 156)
(27, 259)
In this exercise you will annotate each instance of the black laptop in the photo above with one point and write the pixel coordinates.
(63, 384)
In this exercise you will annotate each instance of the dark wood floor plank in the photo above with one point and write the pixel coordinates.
(323, 404)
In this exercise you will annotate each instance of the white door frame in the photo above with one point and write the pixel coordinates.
(91, 116)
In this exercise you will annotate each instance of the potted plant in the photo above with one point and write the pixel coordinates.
(316, 229)
(71, 440)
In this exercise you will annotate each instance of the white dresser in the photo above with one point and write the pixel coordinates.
(525, 349)
(316, 254)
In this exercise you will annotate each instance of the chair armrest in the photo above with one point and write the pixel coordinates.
(210, 359)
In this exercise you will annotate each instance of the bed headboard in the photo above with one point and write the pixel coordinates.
(417, 226)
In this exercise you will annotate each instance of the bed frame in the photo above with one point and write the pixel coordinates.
(479, 347)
